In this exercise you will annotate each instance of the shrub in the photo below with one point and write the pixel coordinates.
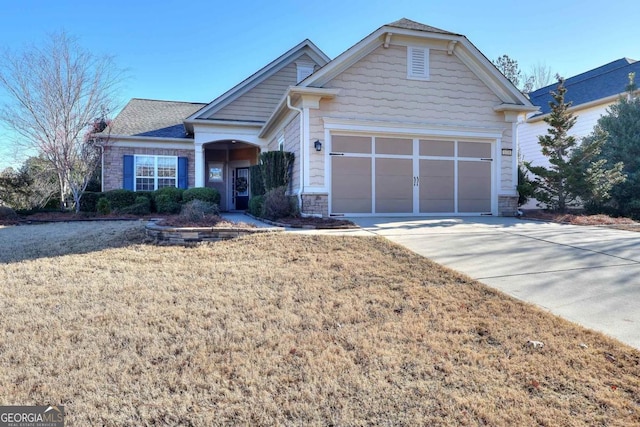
(165, 204)
(103, 206)
(206, 194)
(142, 206)
(277, 204)
(120, 199)
(6, 213)
(173, 193)
(89, 201)
(255, 205)
(256, 183)
(276, 168)
(198, 209)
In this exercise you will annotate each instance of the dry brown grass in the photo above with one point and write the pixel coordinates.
(295, 330)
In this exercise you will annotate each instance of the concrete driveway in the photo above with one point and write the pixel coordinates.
(589, 275)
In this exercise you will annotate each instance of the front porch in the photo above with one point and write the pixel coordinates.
(224, 165)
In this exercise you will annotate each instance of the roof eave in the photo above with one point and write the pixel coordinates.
(296, 91)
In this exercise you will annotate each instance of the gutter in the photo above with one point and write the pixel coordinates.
(301, 186)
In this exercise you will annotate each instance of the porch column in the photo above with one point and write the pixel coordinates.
(199, 165)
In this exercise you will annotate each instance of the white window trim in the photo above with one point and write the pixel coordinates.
(155, 170)
(413, 74)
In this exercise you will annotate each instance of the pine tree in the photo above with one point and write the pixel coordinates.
(554, 183)
(575, 174)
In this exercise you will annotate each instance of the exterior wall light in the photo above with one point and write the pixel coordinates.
(507, 152)
(318, 145)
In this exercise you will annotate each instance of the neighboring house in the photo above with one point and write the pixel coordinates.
(412, 120)
(590, 93)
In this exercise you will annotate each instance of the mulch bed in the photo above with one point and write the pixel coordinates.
(205, 221)
(310, 222)
(578, 219)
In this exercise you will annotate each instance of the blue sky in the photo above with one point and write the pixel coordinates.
(195, 50)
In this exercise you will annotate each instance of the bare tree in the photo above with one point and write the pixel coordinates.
(540, 75)
(57, 93)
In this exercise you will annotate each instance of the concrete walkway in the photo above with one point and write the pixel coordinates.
(589, 275)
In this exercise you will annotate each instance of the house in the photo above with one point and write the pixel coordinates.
(590, 94)
(411, 120)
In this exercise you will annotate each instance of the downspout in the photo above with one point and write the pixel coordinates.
(301, 157)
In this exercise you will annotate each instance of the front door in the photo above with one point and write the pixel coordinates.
(241, 188)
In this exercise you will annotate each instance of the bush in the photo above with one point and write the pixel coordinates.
(142, 206)
(120, 199)
(276, 168)
(173, 193)
(198, 209)
(6, 213)
(103, 206)
(278, 205)
(255, 205)
(256, 183)
(89, 200)
(165, 204)
(206, 194)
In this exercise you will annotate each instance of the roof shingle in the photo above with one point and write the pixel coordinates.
(408, 24)
(148, 117)
(601, 82)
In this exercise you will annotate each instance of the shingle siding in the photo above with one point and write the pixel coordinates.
(377, 88)
(258, 103)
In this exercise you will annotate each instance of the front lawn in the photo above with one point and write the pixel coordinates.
(291, 330)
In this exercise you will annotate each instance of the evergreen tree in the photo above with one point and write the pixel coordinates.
(619, 130)
(575, 174)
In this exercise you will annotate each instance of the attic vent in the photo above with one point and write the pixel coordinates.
(417, 63)
(304, 69)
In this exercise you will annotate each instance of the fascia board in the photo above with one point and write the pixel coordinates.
(489, 74)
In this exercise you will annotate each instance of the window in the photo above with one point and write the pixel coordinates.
(417, 63)
(154, 172)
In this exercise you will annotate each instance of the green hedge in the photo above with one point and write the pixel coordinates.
(120, 199)
(256, 184)
(255, 205)
(206, 194)
(89, 200)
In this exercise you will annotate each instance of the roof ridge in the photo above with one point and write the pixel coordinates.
(569, 81)
(409, 24)
(167, 101)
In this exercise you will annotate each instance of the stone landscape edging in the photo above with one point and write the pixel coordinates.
(182, 235)
(308, 227)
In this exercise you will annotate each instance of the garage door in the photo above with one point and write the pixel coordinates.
(376, 175)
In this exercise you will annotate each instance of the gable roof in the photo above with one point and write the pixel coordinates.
(408, 24)
(305, 47)
(458, 44)
(153, 118)
(602, 82)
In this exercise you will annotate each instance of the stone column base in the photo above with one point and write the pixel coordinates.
(507, 205)
(315, 204)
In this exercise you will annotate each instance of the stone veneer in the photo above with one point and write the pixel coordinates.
(183, 235)
(113, 159)
(315, 204)
(507, 205)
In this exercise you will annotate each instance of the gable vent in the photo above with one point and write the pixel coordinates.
(304, 70)
(418, 63)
